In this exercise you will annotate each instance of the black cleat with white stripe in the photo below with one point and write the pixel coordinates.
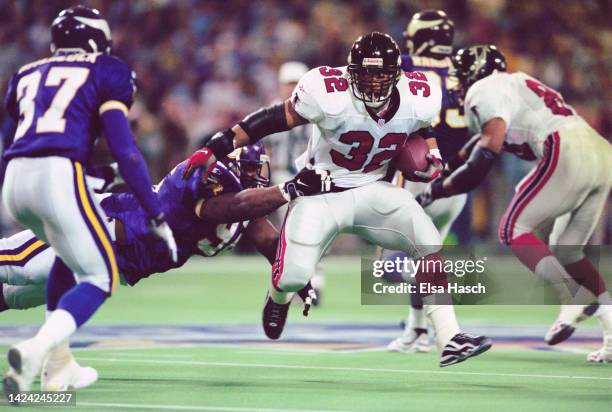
(463, 346)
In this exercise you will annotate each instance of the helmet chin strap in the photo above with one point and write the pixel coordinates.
(378, 106)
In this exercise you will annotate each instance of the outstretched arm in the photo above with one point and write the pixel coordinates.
(481, 160)
(131, 164)
(268, 120)
(265, 121)
(237, 207)
(462, 155)
(252, 203)
(468, 176)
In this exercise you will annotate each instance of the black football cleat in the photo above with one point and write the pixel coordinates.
(274, 318)
(463, 346)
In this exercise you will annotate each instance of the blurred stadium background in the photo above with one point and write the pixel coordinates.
(202, 65)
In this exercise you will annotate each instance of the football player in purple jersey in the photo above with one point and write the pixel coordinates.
(61, 104)
(208, 213)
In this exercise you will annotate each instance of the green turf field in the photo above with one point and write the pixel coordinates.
(213, 357)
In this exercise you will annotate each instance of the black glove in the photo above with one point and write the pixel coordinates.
(432, 192)
(307, 182)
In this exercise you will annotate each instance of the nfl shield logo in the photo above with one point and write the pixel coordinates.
(381, 122)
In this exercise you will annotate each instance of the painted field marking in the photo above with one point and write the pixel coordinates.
(197, 407)
(157, 355)
(339, 368)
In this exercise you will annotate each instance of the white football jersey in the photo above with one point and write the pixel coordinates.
(531, 110)
(353, 145)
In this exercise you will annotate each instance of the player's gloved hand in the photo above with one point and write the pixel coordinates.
(436, 166)
(203, 158)
(432, 192)
(307, 182)
(160, 228)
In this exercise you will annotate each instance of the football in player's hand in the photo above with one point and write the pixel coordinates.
(412, 157)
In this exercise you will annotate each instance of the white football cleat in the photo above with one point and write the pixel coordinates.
(413, 340)
(68, 376)
(25, 361)
(603, 355)
(565, 325)
(600, 356)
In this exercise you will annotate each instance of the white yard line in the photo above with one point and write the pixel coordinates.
(338, 368)
(157, 355)
(195, 407)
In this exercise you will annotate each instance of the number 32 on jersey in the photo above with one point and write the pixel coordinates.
(361, 141)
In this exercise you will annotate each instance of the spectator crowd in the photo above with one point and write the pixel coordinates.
(203, 64)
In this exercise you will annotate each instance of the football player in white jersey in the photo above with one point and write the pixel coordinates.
(361, 114)
(571, 182)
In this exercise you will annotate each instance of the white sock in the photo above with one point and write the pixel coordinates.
(280, 297)
(604, 315)
(444, 323)
(416, 319)
(58, 327)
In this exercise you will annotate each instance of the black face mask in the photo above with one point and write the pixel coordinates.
(373, 87)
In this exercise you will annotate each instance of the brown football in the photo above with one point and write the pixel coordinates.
(411, 156)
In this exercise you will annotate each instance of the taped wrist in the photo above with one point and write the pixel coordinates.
(222, 144)
(265, 121)
(469, 176)
(435, 153)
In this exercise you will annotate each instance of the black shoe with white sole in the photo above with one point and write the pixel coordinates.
(274, 318)
(463, 346)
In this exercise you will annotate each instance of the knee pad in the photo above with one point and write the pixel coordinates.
(294, 276)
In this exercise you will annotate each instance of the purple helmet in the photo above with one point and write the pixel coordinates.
(82, 29)
(253, 165)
